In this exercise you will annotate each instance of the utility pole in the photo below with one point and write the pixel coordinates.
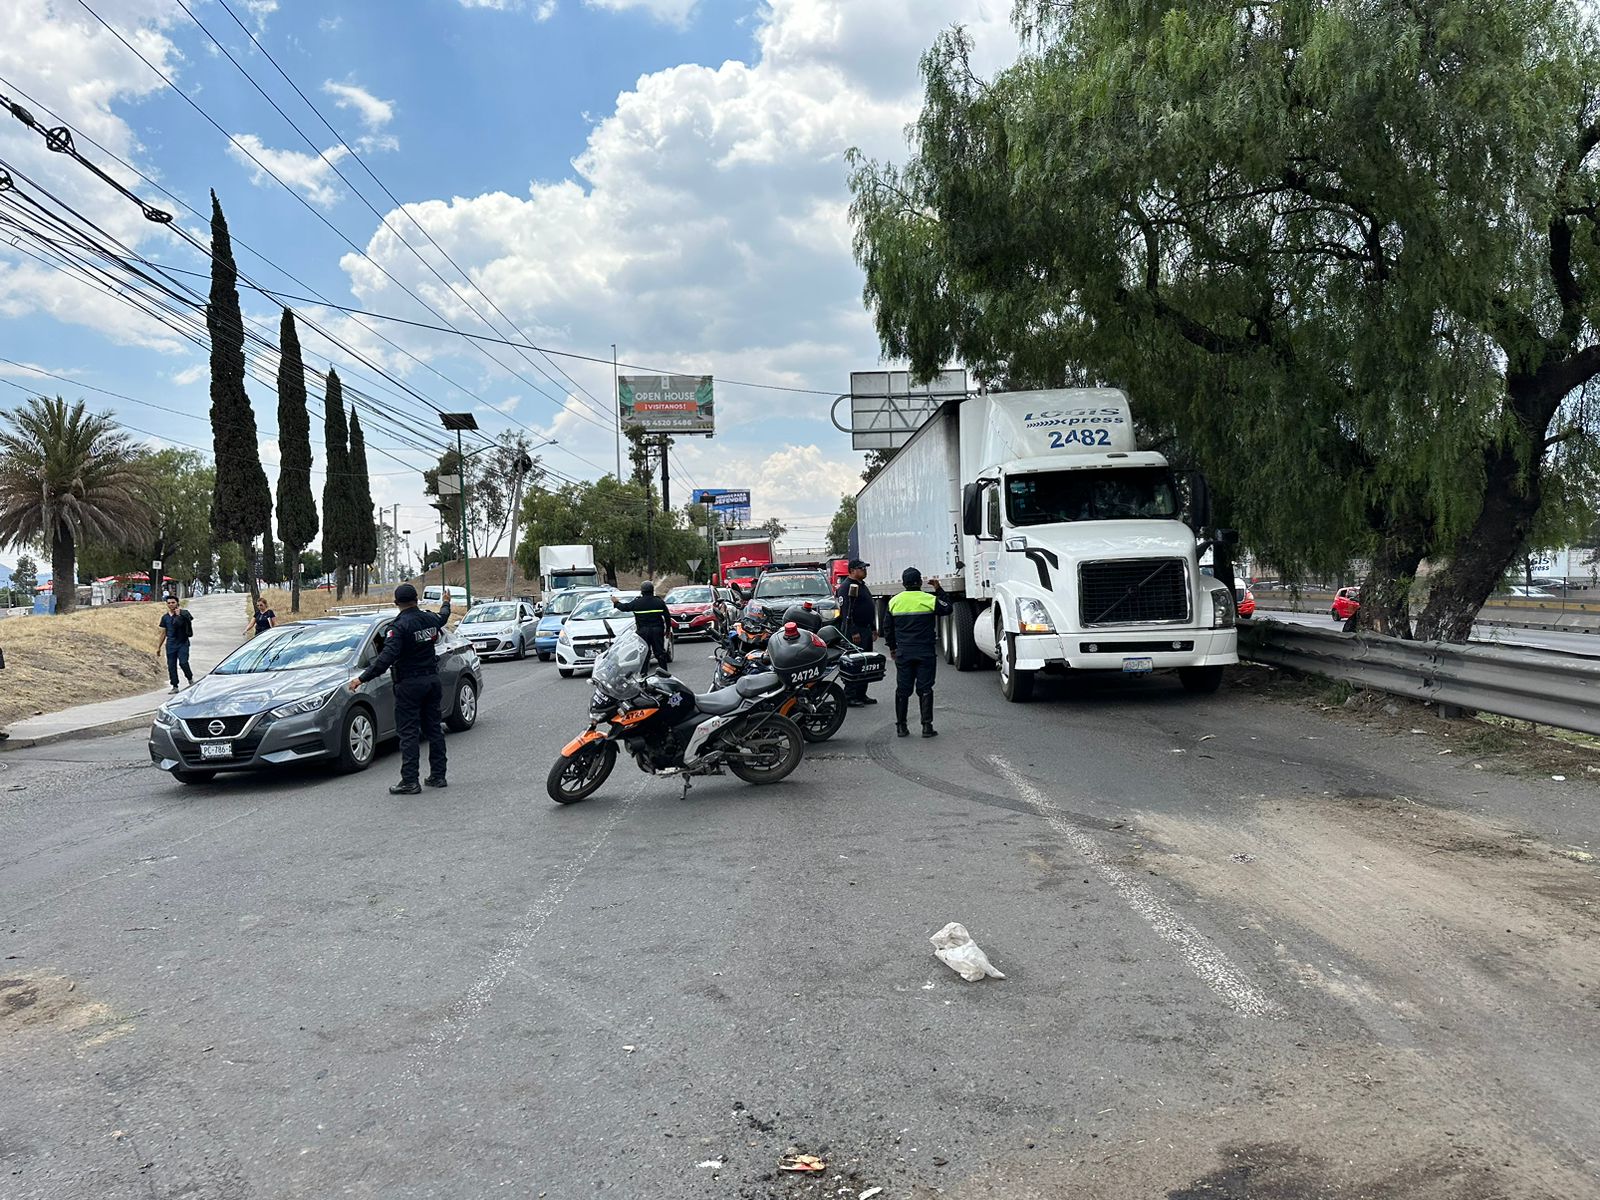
(394, 546)
(524, 465)
(460, 422)
(666, 483)
(616, 408)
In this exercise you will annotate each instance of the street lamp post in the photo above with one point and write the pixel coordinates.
(461, 422)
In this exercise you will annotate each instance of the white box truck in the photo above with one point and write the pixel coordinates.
(1061, 543)
(566, 566)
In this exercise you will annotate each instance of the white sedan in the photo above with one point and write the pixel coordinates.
(590, 630)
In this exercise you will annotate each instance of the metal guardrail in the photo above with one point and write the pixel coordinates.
(1545, 686)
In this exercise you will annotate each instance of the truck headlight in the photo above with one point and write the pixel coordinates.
(1222, 613)
(299, 708)
(1032, 617)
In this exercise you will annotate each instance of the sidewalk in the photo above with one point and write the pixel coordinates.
(218, 622)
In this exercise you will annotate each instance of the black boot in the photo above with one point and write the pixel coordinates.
(925, 701)
(901, 705)
(405, 789)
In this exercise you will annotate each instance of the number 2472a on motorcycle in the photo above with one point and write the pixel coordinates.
(806, 676)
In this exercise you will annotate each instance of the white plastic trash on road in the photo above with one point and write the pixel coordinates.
(954, 947)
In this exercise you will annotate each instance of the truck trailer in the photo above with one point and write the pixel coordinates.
(565, 567)
(740, 560)
(1063, 546)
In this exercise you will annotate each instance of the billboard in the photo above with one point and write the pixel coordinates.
(666, 403)
(886, 408)
(731, 505)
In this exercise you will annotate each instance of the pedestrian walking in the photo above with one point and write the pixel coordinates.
(650, 619)
(913, 636)
(408, 656)
(177, 630)
(261, 620)
(859, 613)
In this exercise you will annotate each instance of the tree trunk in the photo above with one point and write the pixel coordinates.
(64, 569)
(294, 577)
(252, 558)
(338, 581)
(1386, 591)
(1511, 498)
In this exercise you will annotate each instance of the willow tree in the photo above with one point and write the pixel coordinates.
(1348, 253)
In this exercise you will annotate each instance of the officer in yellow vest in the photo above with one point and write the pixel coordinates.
(913, 637)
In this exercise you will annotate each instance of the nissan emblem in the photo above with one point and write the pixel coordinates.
(216, 728)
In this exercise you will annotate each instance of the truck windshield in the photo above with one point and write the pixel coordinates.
(1131, 493)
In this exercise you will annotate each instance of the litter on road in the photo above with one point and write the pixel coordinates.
(954, 947)
(802, 1163)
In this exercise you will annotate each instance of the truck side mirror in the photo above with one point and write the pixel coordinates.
(1199, 497)
(1226, 537)
(972, 509)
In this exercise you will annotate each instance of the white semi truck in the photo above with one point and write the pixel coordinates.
(1062, 544)
(566, 566)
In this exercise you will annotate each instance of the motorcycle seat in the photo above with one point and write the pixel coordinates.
(719, 703)
(758, 685)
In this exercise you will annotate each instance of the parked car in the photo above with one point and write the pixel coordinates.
(590, 630)
(1244, 601)
(1522, 592)
(500, 628)
(778, 589)
(558, 607)
(282, 698)
(1346, 602)
(691, 609)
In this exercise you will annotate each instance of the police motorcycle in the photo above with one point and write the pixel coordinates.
(671, 732)
(817, 703)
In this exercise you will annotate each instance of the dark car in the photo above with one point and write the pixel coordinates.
(282, 698)
(779, 589)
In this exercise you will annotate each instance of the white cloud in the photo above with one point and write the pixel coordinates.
(670, 12)
(261, 10)
(190, 375)
(309, 174)
(374, 143)
(374, 113)
(330, 24)
(500, 5)
(546, 10)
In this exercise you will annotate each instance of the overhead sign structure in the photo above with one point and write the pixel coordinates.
(886, 408)
(681, 404)
(730, 505)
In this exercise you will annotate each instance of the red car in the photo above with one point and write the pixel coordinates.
(1346, 602)
(692, 608)
(1244, 601)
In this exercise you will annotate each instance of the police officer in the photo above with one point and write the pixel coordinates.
(408, 656)
(859, 614)
(650, 619)
(913, 637)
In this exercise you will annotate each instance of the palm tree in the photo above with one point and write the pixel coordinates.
(65, 475)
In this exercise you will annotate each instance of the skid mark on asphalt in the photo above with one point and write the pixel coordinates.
(1205, 960)
(478, 996)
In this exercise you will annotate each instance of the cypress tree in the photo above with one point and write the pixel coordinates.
(363, 529)
(336, 491)
(297, 510)
(241, 503)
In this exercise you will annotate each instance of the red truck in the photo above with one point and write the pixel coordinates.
(739, 560)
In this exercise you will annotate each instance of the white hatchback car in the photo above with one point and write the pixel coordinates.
(594, 624)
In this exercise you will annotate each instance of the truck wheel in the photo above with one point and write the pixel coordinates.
(1016, 686)
(1201, 680)
(947, 638)
(963, 620)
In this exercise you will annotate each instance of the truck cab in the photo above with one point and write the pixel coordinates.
(1079, 548)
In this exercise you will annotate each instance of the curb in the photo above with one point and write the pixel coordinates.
(120, 725)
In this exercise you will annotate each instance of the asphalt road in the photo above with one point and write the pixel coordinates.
(1250, 951)
(1569, 643)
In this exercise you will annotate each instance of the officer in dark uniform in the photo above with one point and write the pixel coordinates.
(913, 637)
(408, 656)
(859, 615)
(650, 618)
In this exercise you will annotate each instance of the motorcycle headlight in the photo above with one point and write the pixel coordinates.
(1222, 613)
(1032, 616)
(309, 704)
(165, 719)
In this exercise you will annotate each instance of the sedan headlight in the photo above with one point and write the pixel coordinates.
(1033, 617)
(1222, 613)
(164, 718)
(309, 704)
(565, 639)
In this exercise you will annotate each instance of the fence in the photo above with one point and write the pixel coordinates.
(1546, 686)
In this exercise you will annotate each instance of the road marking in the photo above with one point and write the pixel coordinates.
(478, 996)
(1204, 959)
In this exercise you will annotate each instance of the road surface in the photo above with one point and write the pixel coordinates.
(1251, 950)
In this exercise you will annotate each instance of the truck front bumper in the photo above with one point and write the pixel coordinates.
(1104, 650)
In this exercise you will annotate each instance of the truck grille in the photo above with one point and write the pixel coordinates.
(1133, 591)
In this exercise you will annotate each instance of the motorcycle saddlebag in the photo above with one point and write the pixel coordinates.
(862, 666)
(798, 658)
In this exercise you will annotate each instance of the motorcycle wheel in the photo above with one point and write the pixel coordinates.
(579, 776)
(778, 744)
(831, 707)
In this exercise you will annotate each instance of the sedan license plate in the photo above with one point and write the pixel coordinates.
(216, 749)
(1137, 666)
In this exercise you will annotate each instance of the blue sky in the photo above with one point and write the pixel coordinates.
(663, 174)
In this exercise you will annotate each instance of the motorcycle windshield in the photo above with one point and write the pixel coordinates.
(617, 671)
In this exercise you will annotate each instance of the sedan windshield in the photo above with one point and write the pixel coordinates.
(598, 608)
(689, 595)
(486, 614)
(1130, 493)
(295, 647)
(782, 587)
(564, 602)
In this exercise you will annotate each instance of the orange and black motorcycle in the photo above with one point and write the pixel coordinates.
(671, 732)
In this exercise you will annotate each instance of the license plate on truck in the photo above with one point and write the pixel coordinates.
(216, 749)
(1138, 666)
